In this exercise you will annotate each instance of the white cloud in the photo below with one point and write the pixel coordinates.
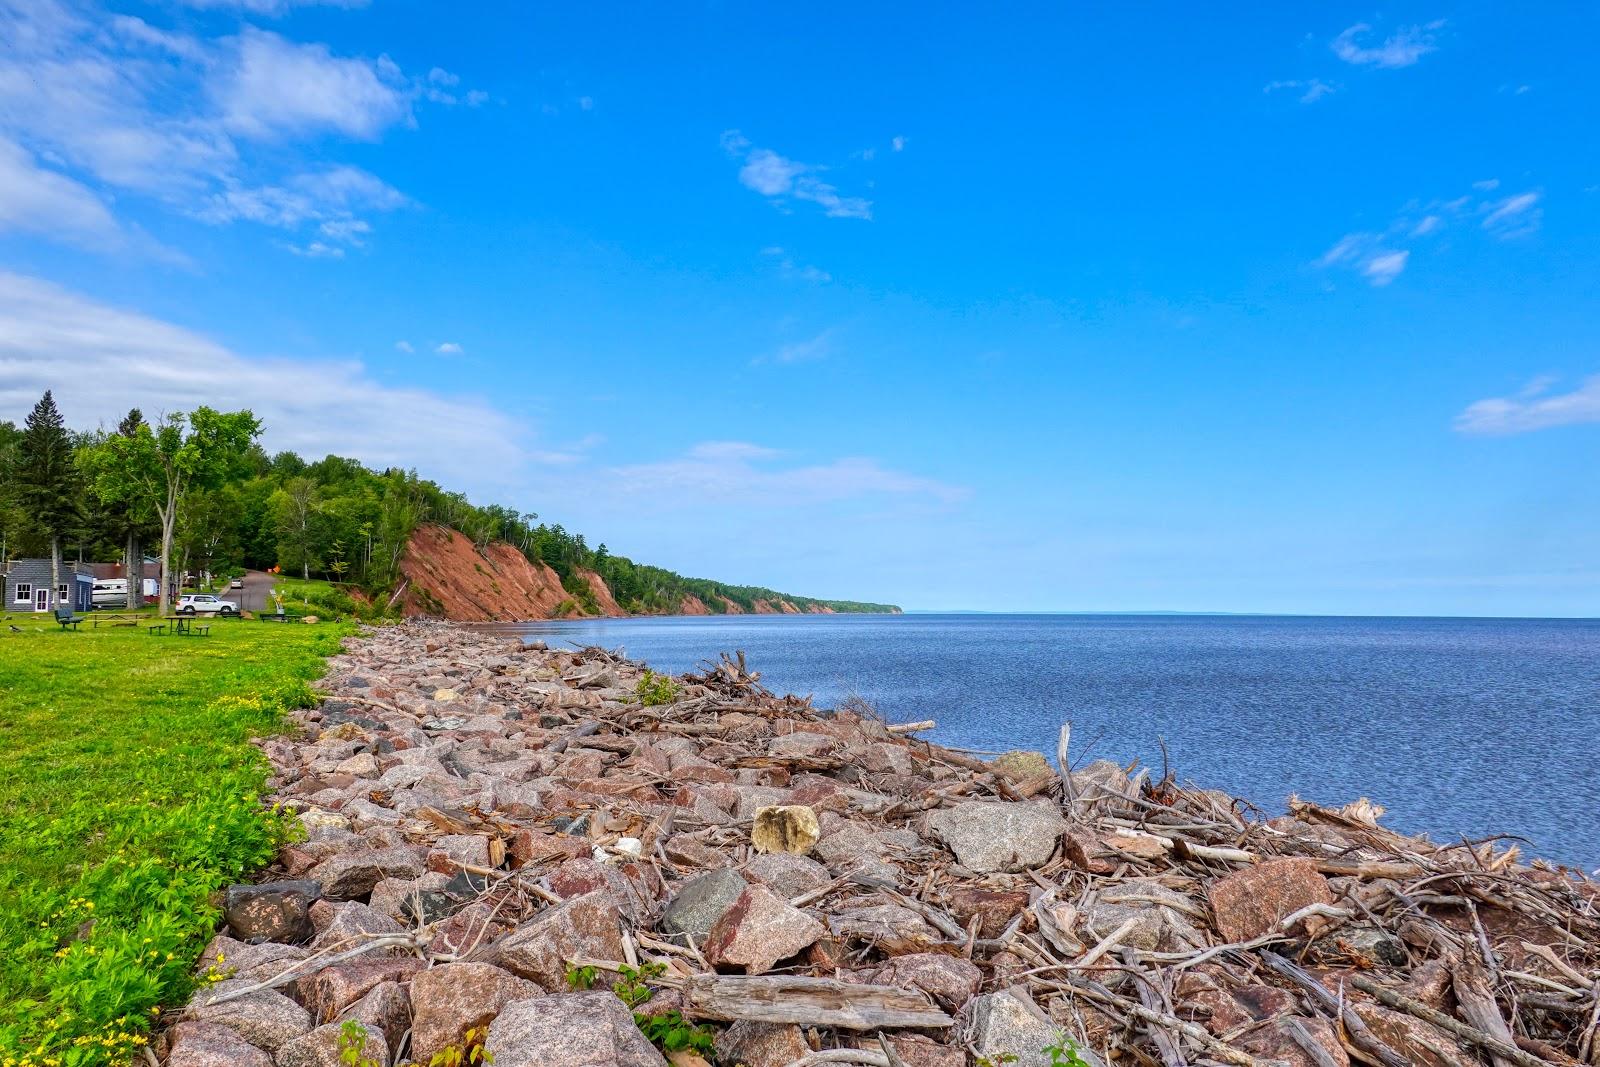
(316, 250)
(736, 471)
(1380, 257)
(814, 348)
(790, 269)
(898, 144)
(118, 105)
(1310, 90)
(40, 201)
(1515, 216)
(404, 346)
(1385, 267)
(278, 88)
(1366, 254)
(332, 198)
(586, 103)
(271, 8)
(769, 173)
(1401, 49)
(448, 348)
(1533, 408)
(778, 177)
(102, 360)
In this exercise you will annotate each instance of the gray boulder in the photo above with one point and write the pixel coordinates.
(571, 1029)
(991, 836)
(266, 1019)
(210, 1045)
(1007, 1027)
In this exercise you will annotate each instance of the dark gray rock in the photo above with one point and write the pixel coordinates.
(271, 911)
(699, 904)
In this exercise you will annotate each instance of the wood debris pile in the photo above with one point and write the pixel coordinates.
(496, 835)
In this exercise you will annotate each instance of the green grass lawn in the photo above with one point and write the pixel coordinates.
(129, 795)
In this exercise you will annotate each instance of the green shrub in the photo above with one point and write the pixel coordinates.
(656, 689)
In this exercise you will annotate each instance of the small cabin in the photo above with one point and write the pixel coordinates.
(26, 586)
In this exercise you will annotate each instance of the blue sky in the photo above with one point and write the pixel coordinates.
(1155, 308)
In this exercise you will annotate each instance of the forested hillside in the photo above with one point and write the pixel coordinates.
(225, 504)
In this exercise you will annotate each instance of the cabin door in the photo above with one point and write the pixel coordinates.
(41, 599)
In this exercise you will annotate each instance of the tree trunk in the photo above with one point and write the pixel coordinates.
(134, 569)
(169, 519)
(55, 569)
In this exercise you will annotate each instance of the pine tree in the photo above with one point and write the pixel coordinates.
(47, 479)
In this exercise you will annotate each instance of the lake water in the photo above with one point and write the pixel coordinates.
(1458, 726)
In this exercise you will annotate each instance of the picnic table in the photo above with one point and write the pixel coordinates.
(279, 616)
(115, 620)
(187, 628)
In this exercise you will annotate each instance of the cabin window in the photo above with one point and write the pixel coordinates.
(61, 592)
(24, 591)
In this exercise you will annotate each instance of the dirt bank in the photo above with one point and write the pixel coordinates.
(491, 829)
(449, 577)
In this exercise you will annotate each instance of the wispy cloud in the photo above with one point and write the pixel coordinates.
(270, 8)
(1515, 216)
(898, 143)
(210, 127)
(806, 351)
(41, 201)
(1366, 254)
(1309, 90)
(1402, 48)
(404, 346)
(1385, 267)
(1381, 256)
(1535, 407)
(101, 360)
(782, 179)
(448, 348)
(723, 471)
(790, 269)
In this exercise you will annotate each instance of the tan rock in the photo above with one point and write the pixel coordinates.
(785, 828)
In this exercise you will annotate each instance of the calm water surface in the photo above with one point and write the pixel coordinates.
(1458, 726)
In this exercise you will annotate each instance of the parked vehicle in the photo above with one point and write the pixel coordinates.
(237, 583)
(205, 604)
(110, 592)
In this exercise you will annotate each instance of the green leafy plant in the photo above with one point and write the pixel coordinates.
(581, 978)
(469, 1052)
(655, 689)
(633, 987)
(997, 1060)
(353, 1046)
(1064, 1053)
(671, 1032)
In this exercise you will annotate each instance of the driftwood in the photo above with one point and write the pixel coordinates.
(810, 1002)
(1419, 1010)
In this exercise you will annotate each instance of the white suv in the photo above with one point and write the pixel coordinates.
(205, 604)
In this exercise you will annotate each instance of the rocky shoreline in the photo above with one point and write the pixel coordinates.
(548, 855)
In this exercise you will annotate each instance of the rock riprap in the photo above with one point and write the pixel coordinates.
(504, 847)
